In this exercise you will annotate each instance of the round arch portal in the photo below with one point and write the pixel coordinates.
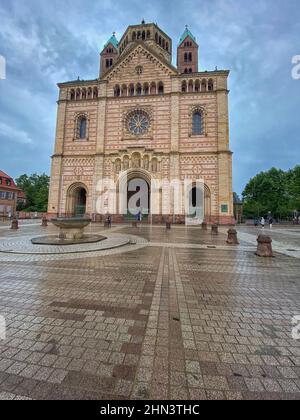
(76, 200)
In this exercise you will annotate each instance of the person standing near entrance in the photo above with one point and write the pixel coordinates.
(263, 222)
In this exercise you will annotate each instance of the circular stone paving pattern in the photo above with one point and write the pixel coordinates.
(24, 248)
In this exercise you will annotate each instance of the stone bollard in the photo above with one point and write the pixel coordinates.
(14, 224)
(215, 230)
(204, 226)
(134, 224)
(232, 237)
(44, 222)
(264, 246)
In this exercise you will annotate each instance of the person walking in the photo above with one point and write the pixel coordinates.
(271, 221)
(263, 222)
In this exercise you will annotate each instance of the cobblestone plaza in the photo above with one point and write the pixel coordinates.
(169, 315)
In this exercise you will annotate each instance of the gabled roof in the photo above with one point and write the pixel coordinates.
(112, 40)
(5, 177)
(130, 50)
(187, 33)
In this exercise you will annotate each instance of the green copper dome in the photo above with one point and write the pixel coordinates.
(112, 40)
(187, 33)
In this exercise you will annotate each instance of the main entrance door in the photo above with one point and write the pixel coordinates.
(138, 199)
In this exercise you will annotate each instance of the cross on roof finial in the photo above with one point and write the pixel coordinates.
(186, 26)
(114, 33)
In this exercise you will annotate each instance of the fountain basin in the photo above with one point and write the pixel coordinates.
(71, 232)
(71, 229)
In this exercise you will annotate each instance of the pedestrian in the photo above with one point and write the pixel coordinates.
(271, 221)
(263, 222)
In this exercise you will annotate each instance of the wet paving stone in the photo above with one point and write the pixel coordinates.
(162, 321)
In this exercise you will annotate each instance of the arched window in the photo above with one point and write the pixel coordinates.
(143, 35)
(117, 91)
(156, 38)
(82, 128)
(124, 90)
(78, 93)
(203, 86)
(146, 89)
(197, 123)
(183, 87)
(185, 57)
(72, 96)
(139, 35)
(159, 40)
(131, 90)
(191, 86)
(153, 88)
(197, 86)
(190, 57)
(148, 34)
(161, 88)
(133, 36)
(167, 46)
(95, 93)
(138, 89)
(90, 93)
(83, 96)
(210, 85)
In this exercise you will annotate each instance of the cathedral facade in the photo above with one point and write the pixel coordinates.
(145, 119)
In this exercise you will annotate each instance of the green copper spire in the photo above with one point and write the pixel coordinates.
(187, 33)
(112, 40)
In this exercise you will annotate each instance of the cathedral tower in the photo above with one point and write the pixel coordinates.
(109, 55)
(187, 53)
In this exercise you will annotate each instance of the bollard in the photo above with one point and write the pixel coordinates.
(14, 224)
(134, 224)
(44, 222)
(168, 226)
(204, 226)
(232, 237)
(215, 230)
(264, 246)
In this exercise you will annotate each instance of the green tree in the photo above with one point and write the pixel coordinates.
(36, 188)
(269, 192)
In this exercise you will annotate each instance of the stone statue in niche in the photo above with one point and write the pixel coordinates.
(136, 162)
(146, 163)
(118, 166)
(126, 163)
(154, 165)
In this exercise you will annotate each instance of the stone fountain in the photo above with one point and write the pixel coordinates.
(71, 232)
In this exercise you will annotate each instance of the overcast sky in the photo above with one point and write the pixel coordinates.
(45, 42)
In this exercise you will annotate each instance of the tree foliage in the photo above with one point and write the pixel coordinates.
(274, 191)
(36, 188)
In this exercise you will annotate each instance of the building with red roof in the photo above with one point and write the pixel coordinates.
(10, 195)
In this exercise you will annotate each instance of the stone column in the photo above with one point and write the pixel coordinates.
(224, 154)
(174, 146)
(56, 169)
